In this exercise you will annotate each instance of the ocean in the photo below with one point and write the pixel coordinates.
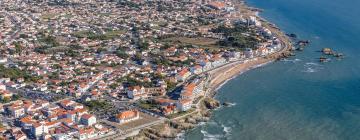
(298, 98)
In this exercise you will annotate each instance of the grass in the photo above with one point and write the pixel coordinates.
(49, 16)
(203, 42)
(15, 73)
(147, 105)
(172, 116)
(99, 105)
(94, 36)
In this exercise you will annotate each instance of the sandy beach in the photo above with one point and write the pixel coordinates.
(227, 72)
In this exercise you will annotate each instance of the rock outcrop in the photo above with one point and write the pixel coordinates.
(211, 103)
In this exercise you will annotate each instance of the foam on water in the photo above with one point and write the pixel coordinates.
(311, 67)
(227, 130)
(208, 136)
(291, 60)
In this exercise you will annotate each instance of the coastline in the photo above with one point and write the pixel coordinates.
(175, 128)
(220, 85)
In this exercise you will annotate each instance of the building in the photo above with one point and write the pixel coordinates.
(2, 87)
(183, 74)
(136, 92)
(16, 111)
(127, 116)
(197, 69)
(184, 104)
(88, 119)
(5, 94)
(86, 133)
(66, 103)
(248, 53)
(38, 129)
(3, 60)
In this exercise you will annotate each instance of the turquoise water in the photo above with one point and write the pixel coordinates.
(300, 98)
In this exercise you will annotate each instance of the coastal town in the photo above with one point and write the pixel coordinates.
(117, 69)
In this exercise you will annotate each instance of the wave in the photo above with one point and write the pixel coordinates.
(227, 130)
(291, 60)
(311, 67)
(310, 70)
(180, 136)
(208, 136)
(232, 104)
(312, 63)
(212, 123)
(260, 65)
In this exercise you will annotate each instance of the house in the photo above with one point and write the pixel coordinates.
(62, 137)
(5, 94)
(183, 74)
(136, 92)
(1, 108)
(88, 119)
(164, 102)
(168, 110)
(86, 133)
(66, 104)
(253, 21)
(16, 111)
(127, 116)
(170, 51)
(18, 134)
(205, 64)
(248, 53)
(217, 60)
(2, 86)
(197, 69)
(3, 60)
(155, 91)
(263, 51)
(184, 104)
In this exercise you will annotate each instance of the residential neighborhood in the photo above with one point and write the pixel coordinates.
(84, 69)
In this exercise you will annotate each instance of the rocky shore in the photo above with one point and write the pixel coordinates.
(172, 128)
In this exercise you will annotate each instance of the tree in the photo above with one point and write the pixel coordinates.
(143, 45)
(122, 54)
(18, 48)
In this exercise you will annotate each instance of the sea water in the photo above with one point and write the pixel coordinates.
(298, 98)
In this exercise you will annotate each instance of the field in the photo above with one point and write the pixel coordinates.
(144, 120)
(93, 36)
(48, 16)
(199, 41)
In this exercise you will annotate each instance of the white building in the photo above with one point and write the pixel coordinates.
(3, 60)
(16, 111)
(38, 129)
(184, 104)
(248, 53)
(2, 87)
(254, 21)
(136, 92)
(88, 119)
